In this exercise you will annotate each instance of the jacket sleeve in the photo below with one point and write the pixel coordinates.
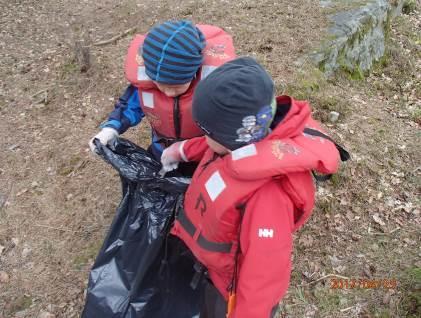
(193, 149)
(127, 112)
(265, 259)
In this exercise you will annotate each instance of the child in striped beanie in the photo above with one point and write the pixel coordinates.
(163, 68)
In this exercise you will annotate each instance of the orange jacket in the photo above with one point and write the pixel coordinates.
(170, 117)
(250, 202)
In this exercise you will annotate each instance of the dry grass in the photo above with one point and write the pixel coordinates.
(57, 200)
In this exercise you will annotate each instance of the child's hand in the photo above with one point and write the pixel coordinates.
(104, 136)
(172, 155)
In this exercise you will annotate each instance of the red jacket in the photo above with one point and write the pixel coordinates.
(170, 117)
(255, 197)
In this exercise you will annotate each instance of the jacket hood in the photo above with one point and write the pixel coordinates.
(287, 149)
(288, 155)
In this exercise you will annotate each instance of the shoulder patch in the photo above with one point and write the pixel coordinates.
(141, 74)
(244, 152)
(280, 148)
(206, 70)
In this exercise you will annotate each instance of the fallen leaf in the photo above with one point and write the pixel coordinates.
(306, 240)
(386, 297)
(367, 272)
(355, 237)
(4, 277)
(46, 314)
(378, 220)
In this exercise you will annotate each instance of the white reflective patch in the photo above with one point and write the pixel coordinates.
(141, 74)
(147, 99)
(206, 70)
(266, 233)
(215, 185)
(243, 152)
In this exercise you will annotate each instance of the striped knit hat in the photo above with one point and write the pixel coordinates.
(172, 52)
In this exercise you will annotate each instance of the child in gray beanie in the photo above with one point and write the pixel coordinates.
(252, 189)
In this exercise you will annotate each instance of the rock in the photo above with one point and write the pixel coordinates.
(24, 68)
(4, 277)
(46, 314)
(358, 38)
(387, 296)
(326, 3)
(339, 269)
(21, 314)
(355, 237)
(2, 248)
(26, 252)
(333, 116)
(310, 311)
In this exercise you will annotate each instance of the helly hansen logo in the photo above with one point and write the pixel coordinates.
(266, 233)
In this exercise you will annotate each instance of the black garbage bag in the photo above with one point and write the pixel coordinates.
(141, 270)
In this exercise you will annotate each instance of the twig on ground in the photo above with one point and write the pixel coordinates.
(323, 278)
(43, 90)
(5, 198)
(391, 232)
(56, 228)
(115, 38)
(39, 92)
(43, 99)
(80, 165)
(347, 309)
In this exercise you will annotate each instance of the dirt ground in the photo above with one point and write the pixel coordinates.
(57, 200)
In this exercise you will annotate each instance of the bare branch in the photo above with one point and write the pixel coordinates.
(115, 38)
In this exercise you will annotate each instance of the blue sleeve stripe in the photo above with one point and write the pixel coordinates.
(156, 145)
(111, 123)
(133, 112)
(155, 142)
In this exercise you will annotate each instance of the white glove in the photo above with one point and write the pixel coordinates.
(172, 156)
(104, 136)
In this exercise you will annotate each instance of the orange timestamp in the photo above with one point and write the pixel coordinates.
(362, 283)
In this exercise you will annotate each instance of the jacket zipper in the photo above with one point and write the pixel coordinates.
(176, 115)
